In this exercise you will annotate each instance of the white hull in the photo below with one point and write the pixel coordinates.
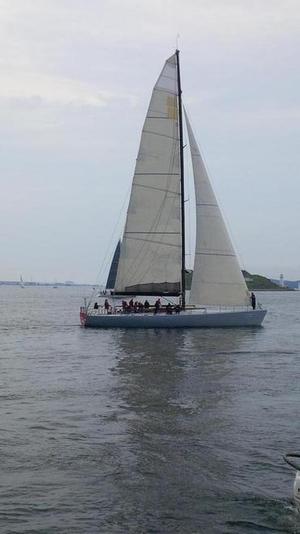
(187, 319)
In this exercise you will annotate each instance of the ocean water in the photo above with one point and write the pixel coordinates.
(145, 431)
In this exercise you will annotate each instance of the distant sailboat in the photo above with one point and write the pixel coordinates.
(21, 283)
(150, 260)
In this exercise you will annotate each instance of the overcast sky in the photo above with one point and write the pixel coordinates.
(75, 82)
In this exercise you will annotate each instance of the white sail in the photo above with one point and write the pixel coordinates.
(150, 257)
(217, 278)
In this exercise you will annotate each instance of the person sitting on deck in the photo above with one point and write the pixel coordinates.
(96, 306)
(146, 305)
(106, 305)
(169, 308)
(177, 308)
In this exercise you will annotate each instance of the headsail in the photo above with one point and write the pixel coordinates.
(150, 257)
(217, 278)
(111, 279)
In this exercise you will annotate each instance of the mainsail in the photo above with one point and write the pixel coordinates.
(150, 257)
(217, 278)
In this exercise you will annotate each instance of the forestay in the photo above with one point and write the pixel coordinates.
(217, 278)
(150, 258)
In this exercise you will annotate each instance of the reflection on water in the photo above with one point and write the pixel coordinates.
(181, 391)
(160, 368)
(145, 431)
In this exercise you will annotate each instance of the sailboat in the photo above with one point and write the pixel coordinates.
(21, 283)
(150, 261)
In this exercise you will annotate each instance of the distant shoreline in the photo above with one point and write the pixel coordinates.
(280, 289)
(43, 284)
(58, 285)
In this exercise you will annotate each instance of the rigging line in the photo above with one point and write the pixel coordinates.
(105, 259)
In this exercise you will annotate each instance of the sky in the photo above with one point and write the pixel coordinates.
(75, 82)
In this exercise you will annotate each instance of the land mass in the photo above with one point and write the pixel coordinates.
(255, 282)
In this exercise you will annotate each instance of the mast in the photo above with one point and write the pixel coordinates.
(182, 184)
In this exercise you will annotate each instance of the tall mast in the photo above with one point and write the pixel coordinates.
(182, 184)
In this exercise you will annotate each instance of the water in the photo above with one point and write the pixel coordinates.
(145, 431)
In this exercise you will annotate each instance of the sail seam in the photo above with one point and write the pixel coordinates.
(156, 173)
(214, 254)
(166, 77)
(155, 242)
(156, 117)
(206, 204)
(157, 189)
(161, 233)
(165, 91)
(161, 135)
